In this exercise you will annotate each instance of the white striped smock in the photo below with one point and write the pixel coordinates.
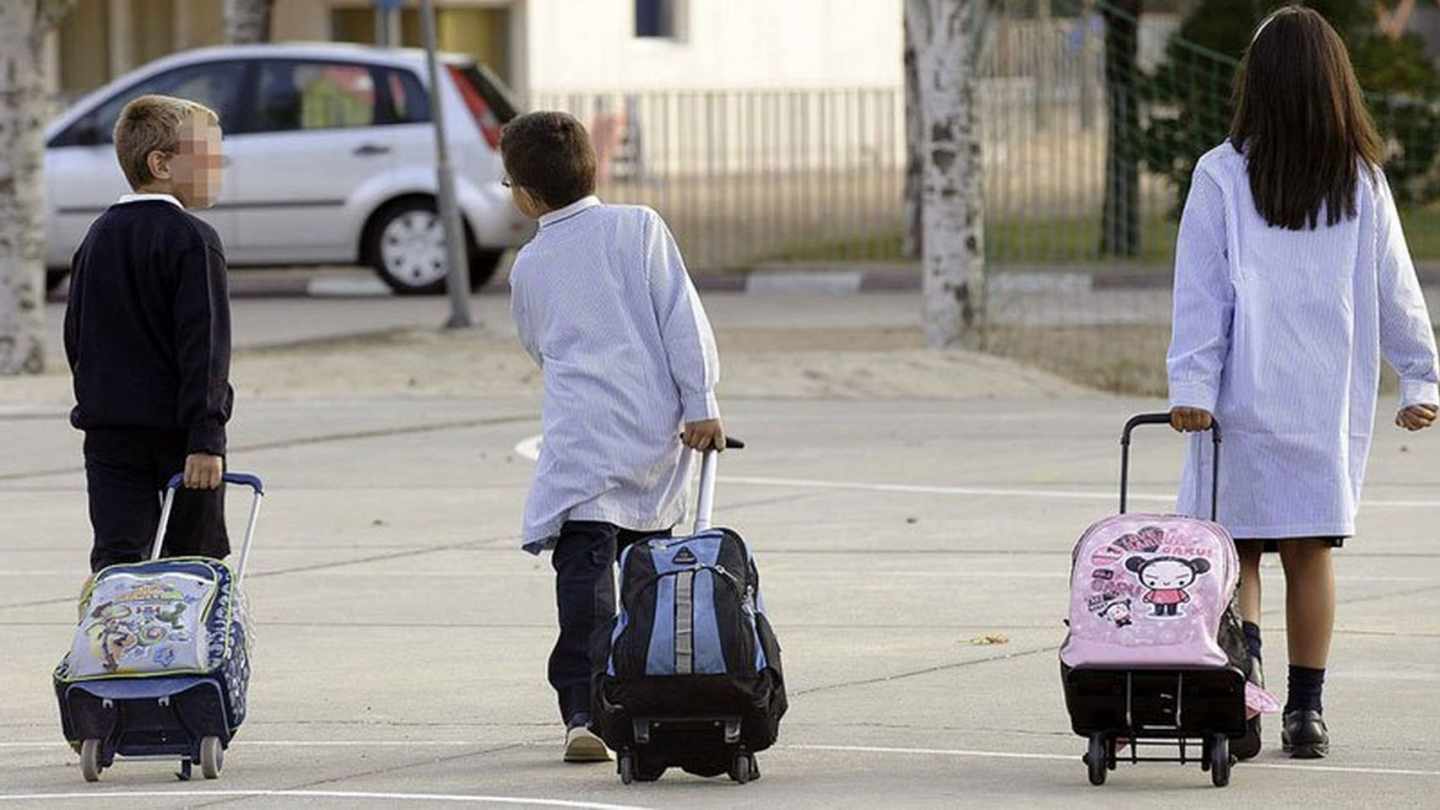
(1279, 333)
(604, 305)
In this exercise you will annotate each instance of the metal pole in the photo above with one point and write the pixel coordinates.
(457, 280)
(387, 25)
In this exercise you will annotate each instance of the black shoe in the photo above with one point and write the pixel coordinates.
(1305, 735)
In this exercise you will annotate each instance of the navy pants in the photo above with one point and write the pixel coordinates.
(584, 561)
(124, 473)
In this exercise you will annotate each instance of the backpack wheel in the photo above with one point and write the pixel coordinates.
(212, 757)
(627, 768)
(741, 770)
(1098, 758)
(90, 760)
(1220, 760)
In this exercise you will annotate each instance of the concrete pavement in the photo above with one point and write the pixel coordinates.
(402, 637)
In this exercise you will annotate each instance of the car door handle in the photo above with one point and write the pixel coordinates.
(371, 150)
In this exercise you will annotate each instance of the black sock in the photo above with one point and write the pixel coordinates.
(1252, 638)
(1306, 684)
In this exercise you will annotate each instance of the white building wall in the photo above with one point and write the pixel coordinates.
(576, 45)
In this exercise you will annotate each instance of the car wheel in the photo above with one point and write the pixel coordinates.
(406, 248)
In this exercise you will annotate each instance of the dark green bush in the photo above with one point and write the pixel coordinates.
(1190, 94)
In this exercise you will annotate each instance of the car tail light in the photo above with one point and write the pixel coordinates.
(485, 118)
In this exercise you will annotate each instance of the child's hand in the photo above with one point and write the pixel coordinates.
(1416, 417)
(203, 471)
(1190, 420)
(707, 434)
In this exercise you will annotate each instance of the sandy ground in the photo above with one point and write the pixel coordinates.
(873, 361)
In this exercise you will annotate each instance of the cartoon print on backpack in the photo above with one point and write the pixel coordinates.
(1165, 580)
(1118, 612)
(1111, 607)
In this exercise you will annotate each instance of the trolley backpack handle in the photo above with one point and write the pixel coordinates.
(709, 468)
(243, 479)
(1164, 419)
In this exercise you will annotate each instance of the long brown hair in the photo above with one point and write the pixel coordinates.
(1301, 121)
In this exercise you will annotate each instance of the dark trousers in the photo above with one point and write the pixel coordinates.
(584, 561)
(125, 470)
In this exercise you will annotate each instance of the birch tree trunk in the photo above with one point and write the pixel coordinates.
(914, 237)
(947, 36)
(23, 113)
(247, 21)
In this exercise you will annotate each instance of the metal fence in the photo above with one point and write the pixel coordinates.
(744, 176)
(1086, 162)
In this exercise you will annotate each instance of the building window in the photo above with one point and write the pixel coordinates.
(655, 19)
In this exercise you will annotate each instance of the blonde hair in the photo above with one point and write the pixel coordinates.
(152, 124)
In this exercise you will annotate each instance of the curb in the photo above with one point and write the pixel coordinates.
(776, 280)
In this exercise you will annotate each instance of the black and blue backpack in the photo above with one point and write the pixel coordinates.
(691, 640)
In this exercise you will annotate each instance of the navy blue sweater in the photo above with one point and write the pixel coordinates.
(147, 329)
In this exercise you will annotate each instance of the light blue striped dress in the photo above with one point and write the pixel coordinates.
(1280, 333)
(603, 303)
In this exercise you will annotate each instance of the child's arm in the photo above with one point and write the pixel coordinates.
(521, 315)
(684, 328)
(202, 342)
(1204, 305)
(1406, 337)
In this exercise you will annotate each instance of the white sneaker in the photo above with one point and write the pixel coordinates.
(581, 745)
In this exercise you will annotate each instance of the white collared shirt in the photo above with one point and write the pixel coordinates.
(129, 198)
(603, 303)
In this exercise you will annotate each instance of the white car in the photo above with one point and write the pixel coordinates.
(330, 158)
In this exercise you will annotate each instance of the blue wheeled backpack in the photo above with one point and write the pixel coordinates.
(690, 674)
(160, 661)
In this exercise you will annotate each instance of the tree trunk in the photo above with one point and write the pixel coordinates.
(23, 113)
(247, 21)
(1120, 223)
(914, 238)
(947, 36)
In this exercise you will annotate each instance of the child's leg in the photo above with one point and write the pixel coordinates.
(124, 509)
(585, 595)
(197, 521)
(1309, 601)
(1309, 618)
(1250, 553)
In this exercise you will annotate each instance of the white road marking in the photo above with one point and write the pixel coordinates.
(530, 449)
(839, 749)
(317, 794)
(948, 752)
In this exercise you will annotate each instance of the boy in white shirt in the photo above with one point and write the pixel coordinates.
(603, 303)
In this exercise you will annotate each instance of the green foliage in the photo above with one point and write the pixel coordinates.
(1190, 94)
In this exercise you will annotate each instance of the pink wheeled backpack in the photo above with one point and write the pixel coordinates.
(1155, 656)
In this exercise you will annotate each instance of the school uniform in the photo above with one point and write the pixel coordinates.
(603, 303)
(147, 336)
(1280, 334)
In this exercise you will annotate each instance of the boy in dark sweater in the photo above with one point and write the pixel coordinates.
(147, 334)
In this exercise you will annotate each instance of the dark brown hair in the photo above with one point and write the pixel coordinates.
(549, 154)
(1301, 121)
